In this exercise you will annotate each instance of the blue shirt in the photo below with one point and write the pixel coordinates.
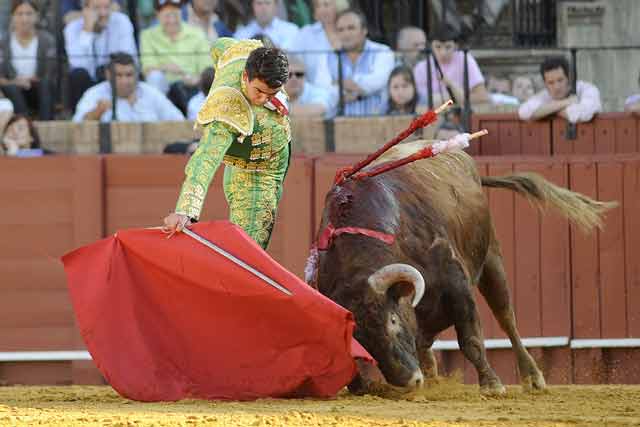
(67, 6)
(282, 33)
(195, 104)
(316, 95)
(91, 50)
(370, 72)
(151, 105)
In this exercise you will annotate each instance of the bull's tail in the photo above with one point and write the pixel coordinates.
(578, 208)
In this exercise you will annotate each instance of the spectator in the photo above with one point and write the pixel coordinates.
(89, 42)
(70, 10)
(557, 97)
(632, 103)
(6, 110)
(20, 138)
(136, 101)
(411, 44)
(451, 60)
(5, 8)
(174, 54)
(401, 88)
(523, 88)
(27, 62)
(195, 103)
(202, 14)
(305, 98)
(499, 88)
(366, 65)
(317, 41)
(266, 22)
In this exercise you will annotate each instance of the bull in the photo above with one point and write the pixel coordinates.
(426, 239)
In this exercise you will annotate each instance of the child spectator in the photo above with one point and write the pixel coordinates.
(28, 62)
(195, 103)
(523, 88)
(20, 138)
(451, 60)
(401, 88)
(499, 88)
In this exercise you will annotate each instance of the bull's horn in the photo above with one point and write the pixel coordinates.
(384, 278)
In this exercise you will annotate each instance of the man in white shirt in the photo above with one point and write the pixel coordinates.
(366, 66)
(557, 97)
(282, 33)
(136, 101)
(197, 101)
(91, 39)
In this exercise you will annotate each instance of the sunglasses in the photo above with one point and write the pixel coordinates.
(297, 74)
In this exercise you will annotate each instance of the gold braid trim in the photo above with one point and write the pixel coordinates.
(228, 105)
(238, 51)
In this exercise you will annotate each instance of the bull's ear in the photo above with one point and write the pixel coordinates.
(401, 292)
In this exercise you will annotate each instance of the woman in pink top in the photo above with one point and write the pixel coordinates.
(451, 60)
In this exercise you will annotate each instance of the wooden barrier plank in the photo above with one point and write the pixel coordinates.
(631, 207)
(308, 135)
(527, 292)
(127, 138)
(37, 338)
(490, 144)
(621, 365)
(360, 135)
(27, 208)
(584, 261)
(503, 362)
(627, 135)
(36, 373)
(36, 240)
(85, 138)
(88, 200)
(35, 308)
(536, 138)
(605, 136)
(585, 142)
(509, 137)
(155, 136)
(612, 262)
(502, 205)
(55, 135)
(560, 144)
(555, 263)
(31, 273)
(588, 366)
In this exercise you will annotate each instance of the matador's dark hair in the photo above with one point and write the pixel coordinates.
(268, 64)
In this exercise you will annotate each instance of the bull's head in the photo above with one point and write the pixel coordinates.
(387, 322)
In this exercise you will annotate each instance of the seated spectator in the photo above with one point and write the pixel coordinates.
(28, 63)
(445, 50)
(317, 41)
(632, 103)
(90, 40)
(366, 65)
(195, 103)
(174, 54)
(20, 138)
(401, 89)
(557, 97)
(499, 88)
(306, 99)
(6, 110)
(202, 14)
(5, 13)
(410, 46)
(136, 101)
(266, 22)
(523, 88)
(70, 10)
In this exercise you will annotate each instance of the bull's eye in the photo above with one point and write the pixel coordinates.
(394, 319)
(393, 324)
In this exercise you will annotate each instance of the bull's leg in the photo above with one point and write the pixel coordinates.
(494, 289)
(471, 341)
(428, 363)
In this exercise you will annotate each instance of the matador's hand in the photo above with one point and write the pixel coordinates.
(175, 222)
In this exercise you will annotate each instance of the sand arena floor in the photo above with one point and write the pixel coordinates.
(445, 404)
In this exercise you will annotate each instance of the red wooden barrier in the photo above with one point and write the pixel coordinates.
(49, 206)
(508, 135)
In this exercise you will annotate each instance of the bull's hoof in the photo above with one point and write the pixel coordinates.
(495, 389)
(534, 382)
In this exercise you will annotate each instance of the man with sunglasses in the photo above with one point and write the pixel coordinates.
(306, 99)
(246, 126)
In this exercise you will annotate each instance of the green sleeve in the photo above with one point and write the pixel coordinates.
(216, 140)
(148, 57)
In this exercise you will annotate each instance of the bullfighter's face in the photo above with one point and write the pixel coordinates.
(386, 327)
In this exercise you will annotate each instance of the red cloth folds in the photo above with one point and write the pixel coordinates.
(168, 319)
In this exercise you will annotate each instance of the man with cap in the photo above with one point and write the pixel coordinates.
(246, 126)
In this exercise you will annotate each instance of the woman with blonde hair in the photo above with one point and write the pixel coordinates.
(316, 41)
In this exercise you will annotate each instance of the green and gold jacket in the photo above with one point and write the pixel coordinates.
(240, 134)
